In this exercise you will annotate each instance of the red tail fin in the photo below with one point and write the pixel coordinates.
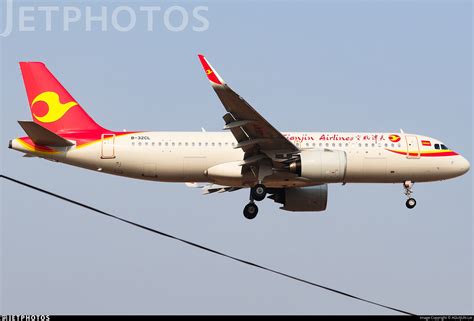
(51, 105)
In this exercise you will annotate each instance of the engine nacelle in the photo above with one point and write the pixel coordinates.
(303, 199)
(325, 166)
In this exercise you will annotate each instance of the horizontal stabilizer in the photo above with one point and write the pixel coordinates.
(42, 136)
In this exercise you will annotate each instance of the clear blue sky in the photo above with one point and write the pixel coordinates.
(306, 66)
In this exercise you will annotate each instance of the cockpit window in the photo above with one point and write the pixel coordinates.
(436, 146)
(444, 147)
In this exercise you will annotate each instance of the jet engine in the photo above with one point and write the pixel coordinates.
(302, 199)
(323, 166)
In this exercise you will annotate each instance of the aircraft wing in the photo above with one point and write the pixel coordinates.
(252, 131)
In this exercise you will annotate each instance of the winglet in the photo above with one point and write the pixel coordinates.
(211, 73)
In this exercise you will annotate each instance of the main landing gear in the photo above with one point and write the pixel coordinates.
(250, 210)
(257, 193)
(411, 202)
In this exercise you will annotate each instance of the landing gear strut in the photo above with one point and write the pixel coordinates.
(411, 202)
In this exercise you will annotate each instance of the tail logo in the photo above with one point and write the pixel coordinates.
(56, 109)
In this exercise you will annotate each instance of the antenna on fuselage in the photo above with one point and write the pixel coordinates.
(401, 131)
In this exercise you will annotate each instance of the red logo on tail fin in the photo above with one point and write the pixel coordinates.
(51, 104)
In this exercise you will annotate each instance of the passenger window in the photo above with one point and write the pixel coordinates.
(320, 144)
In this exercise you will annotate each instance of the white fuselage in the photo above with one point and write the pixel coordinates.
(187, 156)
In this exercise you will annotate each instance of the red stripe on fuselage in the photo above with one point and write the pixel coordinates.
(430, 154)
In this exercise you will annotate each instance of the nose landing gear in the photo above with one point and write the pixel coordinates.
(411, 202)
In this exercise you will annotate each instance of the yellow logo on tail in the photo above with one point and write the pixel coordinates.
(56, 110)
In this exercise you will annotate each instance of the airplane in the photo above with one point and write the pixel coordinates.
(293, 168)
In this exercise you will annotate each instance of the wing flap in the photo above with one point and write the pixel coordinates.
(237, 131)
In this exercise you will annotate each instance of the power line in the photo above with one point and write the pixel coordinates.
(201, 246)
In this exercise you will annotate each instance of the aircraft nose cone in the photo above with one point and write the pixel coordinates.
(464, 166)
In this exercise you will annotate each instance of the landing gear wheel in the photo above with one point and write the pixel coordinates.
(259, 192)
(250, 211)
(411, 203)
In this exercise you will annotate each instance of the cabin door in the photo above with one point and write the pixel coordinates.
(413, 148)
(108, 146)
